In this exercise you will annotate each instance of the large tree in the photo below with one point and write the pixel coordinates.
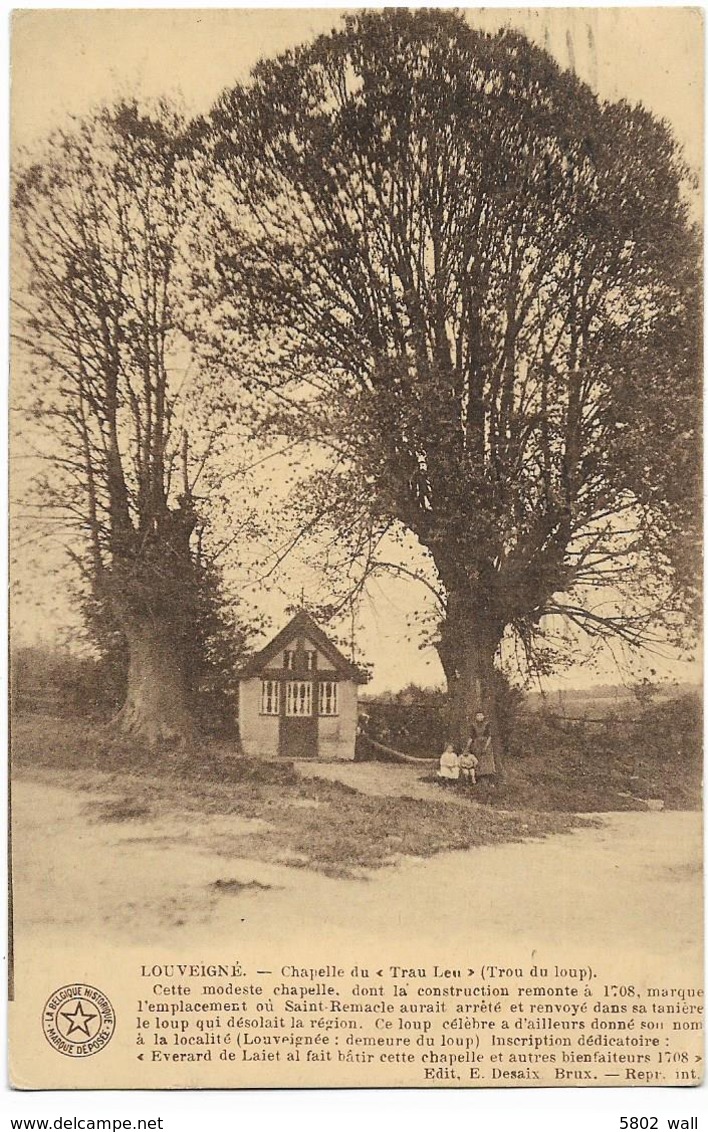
(120, 434)
(447, 260)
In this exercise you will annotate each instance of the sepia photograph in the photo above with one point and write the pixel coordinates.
(356, 548)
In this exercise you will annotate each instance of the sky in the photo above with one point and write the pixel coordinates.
(65, 61)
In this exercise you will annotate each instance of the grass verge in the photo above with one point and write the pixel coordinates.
(307, 822)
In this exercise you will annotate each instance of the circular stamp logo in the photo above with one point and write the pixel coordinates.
(78, 1020)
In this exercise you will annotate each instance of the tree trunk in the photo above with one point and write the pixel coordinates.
(467, 652)
(158, 702)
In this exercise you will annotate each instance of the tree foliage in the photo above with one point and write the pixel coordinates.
(123, 436)
(476, 285)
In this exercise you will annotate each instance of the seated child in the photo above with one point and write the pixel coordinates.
(449, 765)
(468, 765)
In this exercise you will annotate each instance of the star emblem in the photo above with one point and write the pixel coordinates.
(79, 1020)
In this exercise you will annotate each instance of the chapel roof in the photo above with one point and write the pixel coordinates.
(302, 624)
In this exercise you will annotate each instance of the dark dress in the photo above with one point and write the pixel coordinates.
(482, 748)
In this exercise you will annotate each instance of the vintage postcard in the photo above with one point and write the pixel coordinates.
(355, 535)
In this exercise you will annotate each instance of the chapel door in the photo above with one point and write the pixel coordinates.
(298, 724)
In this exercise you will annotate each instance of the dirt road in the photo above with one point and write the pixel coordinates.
(632, 882)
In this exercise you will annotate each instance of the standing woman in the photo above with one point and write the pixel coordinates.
(481, 745)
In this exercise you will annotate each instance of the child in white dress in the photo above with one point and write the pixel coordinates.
(449, 770)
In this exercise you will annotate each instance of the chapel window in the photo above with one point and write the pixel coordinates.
(270, 697)
(329, 698)
(298, 698)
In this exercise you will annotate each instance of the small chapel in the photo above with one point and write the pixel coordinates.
(298, 696)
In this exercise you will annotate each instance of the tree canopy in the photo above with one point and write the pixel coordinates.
(123, 442)
(448, 260)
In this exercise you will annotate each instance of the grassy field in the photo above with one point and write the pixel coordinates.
(655, 755)
(553, 773)
(607, 699)
(651, 758)
(307, 822)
